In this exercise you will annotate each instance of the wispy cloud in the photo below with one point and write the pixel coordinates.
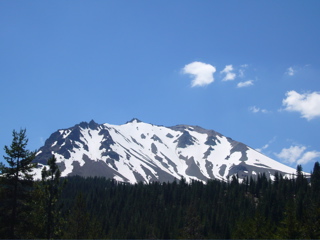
(255, 109)
(229, 75)
(241, 73)
(245, 84)
(242, 70)
(307, 104)
(308, 157)
(297, 155)
(262, 148)
(290, 71)
(202, 73)
(266, 145)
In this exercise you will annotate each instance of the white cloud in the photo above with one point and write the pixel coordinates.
(242, 70)
(291, 154)
(228, 68)
(241, 73)
(229, 74)
(255, 109)
(202, 73)
(307, 104)
(266, 145)
(245, 84)
(262, 148)
(308, 157)
(290, 71)
(297, 155)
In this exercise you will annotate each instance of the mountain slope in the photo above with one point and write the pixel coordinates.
(137, 151)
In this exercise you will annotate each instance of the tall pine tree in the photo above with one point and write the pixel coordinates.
(51, 189)
(16, 182)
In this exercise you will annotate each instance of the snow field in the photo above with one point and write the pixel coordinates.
(140, 146)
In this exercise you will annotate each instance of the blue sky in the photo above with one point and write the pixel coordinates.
(247, 69)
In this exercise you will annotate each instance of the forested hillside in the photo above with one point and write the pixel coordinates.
(102, 208)
(84, 208)
(253, 209)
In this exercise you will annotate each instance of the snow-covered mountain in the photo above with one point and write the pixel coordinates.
(138, 151)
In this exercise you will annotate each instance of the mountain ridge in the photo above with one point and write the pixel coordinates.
(138, 151)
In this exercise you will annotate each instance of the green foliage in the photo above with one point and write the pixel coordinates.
(18, 158)
(16, 181)
(47, 217)
(193, 228)
(80, 225)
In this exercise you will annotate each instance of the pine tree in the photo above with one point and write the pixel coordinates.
(51, 188)
(315, 181)
(17, 181)
(289, 227)
(80, 224)
(193, 228)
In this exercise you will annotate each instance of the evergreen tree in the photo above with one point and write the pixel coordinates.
(78, 221)
(17, 182)
(46, 215)
(315, 182)
(193, 228)
(51, 189)
(289, 227)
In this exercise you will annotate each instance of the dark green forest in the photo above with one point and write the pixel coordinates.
(88, 208)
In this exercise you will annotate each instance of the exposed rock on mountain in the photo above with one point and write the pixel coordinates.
(137, 151)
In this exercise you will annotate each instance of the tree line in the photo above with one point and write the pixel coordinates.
(95, 207)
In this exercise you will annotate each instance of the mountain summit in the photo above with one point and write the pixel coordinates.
(138, 151)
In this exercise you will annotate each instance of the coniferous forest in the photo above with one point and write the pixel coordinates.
(88, 208)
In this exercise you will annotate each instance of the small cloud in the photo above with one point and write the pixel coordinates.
(255, 109)
(291, 154)
(229, 75)
(297, 155)
(202, 73)
(242, 70)
(290, 71)
(241, 73)
(262, 148)
(245, 84)
(266, 145)
(307, 104)
(228, 68)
